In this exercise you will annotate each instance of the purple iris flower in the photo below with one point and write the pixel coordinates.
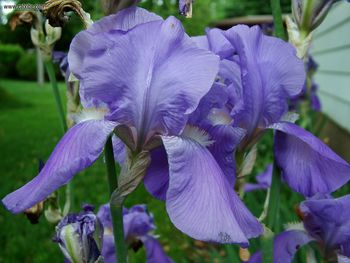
(263, 180)
(285, 245)
(80, 236)
(138, 225)
(142, 77)
(326, 221)
(260, 74)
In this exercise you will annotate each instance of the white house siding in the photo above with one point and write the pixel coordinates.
(331, 50)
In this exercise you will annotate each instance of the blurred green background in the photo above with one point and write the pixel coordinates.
(29, 130)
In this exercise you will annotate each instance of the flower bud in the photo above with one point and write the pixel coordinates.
(45, 41)
(297, 39)
(80, 237)
(52, 33)
(309, 14)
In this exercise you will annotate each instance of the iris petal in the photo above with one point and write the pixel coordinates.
(157, 176)
(155, 252)
(268, 78)
(226, 139)
(124, 20)
(308, 165)
(328, 220)
(287, 243)
(200, 201)
(78, 149)
(150, 77)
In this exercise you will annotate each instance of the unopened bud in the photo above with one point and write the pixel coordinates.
(80, 237)
(300, 41)
(45, 41)
(309, 14)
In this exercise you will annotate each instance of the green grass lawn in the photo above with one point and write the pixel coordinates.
(29, 130)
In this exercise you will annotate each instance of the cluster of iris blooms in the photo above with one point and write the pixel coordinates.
(88, 237)
(188, 106)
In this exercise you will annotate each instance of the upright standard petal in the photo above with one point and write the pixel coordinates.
(219, 44)
(216, 42)
(308, 165)
(287, 243)
(124, 20)
(200, 201)
(150, 77)
(78, 149)
(270, 72)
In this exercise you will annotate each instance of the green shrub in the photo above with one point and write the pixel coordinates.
(27, 67)
(9, 56)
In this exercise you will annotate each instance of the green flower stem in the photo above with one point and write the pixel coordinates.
(277, 19)
(274, 200)
(267, 247)
(52, 77)
(116, 211)
(51, 73)
(272, 219)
